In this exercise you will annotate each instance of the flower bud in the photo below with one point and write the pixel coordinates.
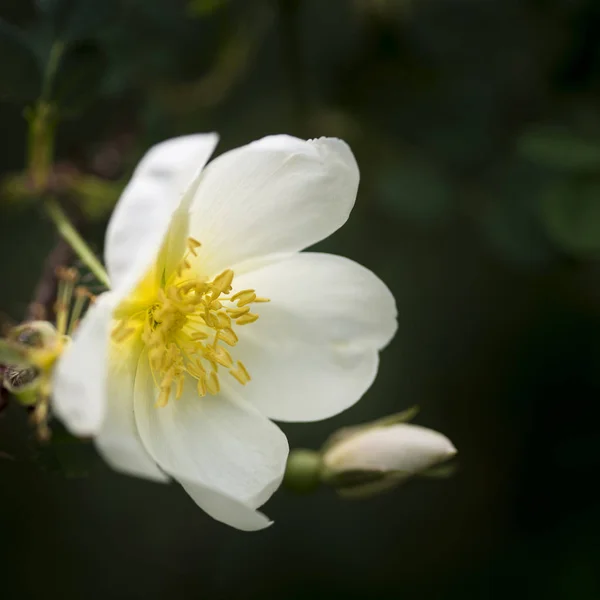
(373, 458)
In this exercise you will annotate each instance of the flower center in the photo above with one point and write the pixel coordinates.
(187, 327)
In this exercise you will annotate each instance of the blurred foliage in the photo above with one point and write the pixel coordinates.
(476, 125)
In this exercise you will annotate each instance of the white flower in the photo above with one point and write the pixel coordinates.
(373, 458)
(172, 370)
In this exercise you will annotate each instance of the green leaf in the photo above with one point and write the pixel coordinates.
(76, 20)
(79, 78)
(12, 354)
(561, 149)
(570, 212)
(20, 73)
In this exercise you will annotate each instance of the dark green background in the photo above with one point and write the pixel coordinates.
(476, 124)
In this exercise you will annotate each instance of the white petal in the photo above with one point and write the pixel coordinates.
(79, 386)
(142, 216)
(226, 509)
(119, 441)
(279, 194)
(403, 447)
(314, 350)
(218, 442)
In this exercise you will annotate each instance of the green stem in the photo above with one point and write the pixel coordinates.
(54, 58)
(69, 233)
(41, 123)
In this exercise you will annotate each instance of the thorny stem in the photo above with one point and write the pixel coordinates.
(72, 237)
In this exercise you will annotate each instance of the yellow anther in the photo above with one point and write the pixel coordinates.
(193, 245)
(199, 335)
(222, 283)
(240, 294)
(201, 387)
(179, 387)
(241, 373)
(223, 357)
(185, 326)
(163, 397)
(211, 319)
(228, 336)
(195, 370)
(212, 384)
(246, 298)
(234, 313)
(224, 320)
(246, 319)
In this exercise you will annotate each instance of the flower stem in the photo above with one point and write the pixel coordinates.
(71, 236)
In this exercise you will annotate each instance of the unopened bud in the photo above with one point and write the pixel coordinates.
(373, 458)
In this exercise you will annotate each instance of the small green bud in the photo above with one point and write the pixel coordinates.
(303, 471)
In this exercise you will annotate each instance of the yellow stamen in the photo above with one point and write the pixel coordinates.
(234, 313)
(228, 336)
(212, 384)
(241, 373)
(246, 297)
(222, 283)
(246, 319)
(185, 326)
(193, 245)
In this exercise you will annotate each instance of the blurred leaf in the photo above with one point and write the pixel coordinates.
(570, 212)
(559, 149)
(20, 74)
(79, 77)
(75, 20)
(414, 190)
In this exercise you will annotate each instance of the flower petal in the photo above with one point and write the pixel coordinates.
(279, 194)
(216, 442)
(314, 350)
(119, 441)
(402, 447)
(226, 509)
(143, 214)
(79, 382)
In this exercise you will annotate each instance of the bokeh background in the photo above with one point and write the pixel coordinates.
(476, 124)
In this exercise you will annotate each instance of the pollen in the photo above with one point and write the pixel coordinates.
(188, 328)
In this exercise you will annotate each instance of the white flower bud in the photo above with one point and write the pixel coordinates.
(368, 457)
